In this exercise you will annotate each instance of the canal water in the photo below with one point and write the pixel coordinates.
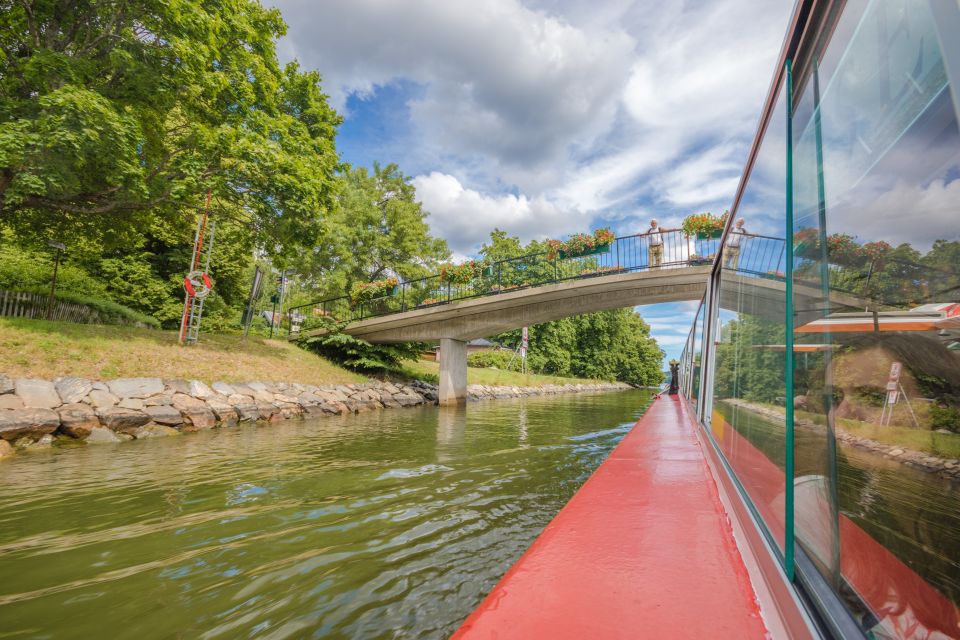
(391, 524)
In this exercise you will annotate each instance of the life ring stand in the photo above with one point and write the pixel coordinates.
(197, 284)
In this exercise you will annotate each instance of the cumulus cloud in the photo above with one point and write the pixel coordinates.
(466, 217)
(503, 81)
(541, 115)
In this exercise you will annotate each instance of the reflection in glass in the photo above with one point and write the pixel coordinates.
(697, 354)
(749, 385)
(877, 318)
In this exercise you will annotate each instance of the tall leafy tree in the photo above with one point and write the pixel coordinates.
(377, 229)
(610, 345)
(115, 111)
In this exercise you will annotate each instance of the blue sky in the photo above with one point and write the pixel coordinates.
(548, 117)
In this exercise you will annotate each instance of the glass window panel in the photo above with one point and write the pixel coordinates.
(697, 354)
(747, 419)
(877, 320)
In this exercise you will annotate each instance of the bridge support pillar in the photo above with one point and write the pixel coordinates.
(453, 371)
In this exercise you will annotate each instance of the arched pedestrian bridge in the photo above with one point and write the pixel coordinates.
(538, 288)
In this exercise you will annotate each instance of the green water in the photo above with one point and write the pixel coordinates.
(392, 524)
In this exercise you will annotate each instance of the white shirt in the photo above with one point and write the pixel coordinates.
(654, 236)
(736, 235)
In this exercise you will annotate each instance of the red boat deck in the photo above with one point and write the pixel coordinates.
(643, 550)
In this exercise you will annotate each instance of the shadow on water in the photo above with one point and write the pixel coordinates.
(386, 524)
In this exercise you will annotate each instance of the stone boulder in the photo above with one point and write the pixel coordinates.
(6, 449)
(248, 411)
(6, 385)
(135, 387)
(177, 386)
(27, 423)
(223, 388)
(77, 420)
(408, 399)
(10, 401)
(131, 403)
(154, 431)
(37, 394)
(242, 389)
(120, 419)
(102, 399)
(196, 413)
(45, 442)
(72, 390)
(159, 400)
(164, 414)
(308, 399)
(266, 409)
(201, 390)
(260, 392)
(102, 435)
(226, 414)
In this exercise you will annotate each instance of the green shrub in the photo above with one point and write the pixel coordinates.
(354, 353)
(110, 312)
(944, 417)
(494, 359)
(25, 270)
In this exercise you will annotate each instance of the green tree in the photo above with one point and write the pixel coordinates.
(112, 113)
(377, 229)
(609, 345)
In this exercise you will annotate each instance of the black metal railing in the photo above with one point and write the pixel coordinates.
(759, 255)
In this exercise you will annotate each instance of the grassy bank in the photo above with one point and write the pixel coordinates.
(427, 370)
(946, 445)
(40, 349)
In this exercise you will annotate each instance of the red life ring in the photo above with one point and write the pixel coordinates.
(197, 284)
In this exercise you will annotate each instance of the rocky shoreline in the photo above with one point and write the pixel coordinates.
(35, 413)
(943, 467)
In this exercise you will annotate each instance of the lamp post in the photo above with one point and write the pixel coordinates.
(60, 247)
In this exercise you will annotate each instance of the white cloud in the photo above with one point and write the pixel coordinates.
(466, 217)
(503, 81)
(618, 109)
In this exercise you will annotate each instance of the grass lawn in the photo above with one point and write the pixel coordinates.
(428, 370)
(41, 349)
(944, 445)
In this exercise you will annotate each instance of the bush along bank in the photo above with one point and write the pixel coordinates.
(35, 413)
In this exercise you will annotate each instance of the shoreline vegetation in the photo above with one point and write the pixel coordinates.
(929, 451)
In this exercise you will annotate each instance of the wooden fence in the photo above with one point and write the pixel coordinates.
(18, 304)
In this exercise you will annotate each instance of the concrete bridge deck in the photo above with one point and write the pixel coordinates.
(484, 316)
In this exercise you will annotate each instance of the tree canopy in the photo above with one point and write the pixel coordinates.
(113, 112)
(376, 228)
(610, 345)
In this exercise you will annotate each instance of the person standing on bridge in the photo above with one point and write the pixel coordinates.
(734, 242)
(655, 244)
